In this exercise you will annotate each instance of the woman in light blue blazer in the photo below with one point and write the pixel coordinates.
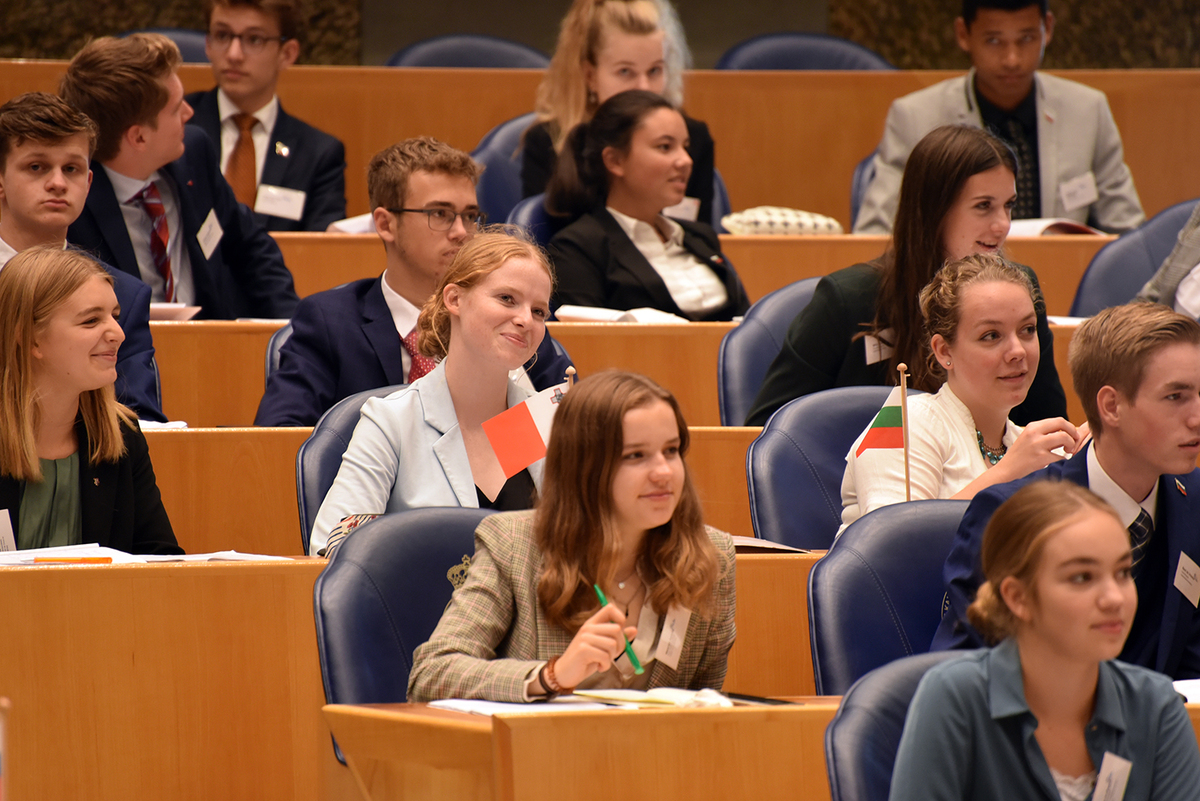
(424, 445)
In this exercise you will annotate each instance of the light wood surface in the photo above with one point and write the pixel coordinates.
(717, 464)
(1062, 343)
(782, 138)
(748, 752)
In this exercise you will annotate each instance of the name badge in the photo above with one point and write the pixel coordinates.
(279, 201)
(877, 349)
(1079, 192)
(670, 642)
(210, 234)
(1114, 775)
(7, 541)
(686, 209)
(1187, 578)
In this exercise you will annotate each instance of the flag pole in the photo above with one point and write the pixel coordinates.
(570, 375)
(903, 368)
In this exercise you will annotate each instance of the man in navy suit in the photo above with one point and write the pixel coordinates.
(159, 208)
(348, 339)
(292, 175)
(45, 148)
(1137, 372)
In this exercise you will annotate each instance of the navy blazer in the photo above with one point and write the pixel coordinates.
(120, 503)
(344, 341)
(1178, 519)
(299, 156)
(597, 264)
(245, 276)
(137, 374)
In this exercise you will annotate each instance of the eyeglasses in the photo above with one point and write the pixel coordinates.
(443, 219)
(252, 43)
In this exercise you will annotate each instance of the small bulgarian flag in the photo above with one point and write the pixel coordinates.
(887, 429)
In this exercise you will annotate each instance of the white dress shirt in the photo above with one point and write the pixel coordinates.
(260, 134)
(137, 223)
(404, 315)
(1187, 294)
(693, 285)
(7, 251)
(1127, 508)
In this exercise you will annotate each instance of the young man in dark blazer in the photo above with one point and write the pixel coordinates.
(292, 175)
(1137, 372)
(159, 208)
(348, 339)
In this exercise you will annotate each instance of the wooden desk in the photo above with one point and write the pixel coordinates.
(414, 753)
(165, 682)
(1062, 343)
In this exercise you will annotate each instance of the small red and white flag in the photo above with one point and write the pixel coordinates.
(519, 435)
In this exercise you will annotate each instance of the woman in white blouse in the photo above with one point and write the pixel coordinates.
(618, 178)
(981, 324)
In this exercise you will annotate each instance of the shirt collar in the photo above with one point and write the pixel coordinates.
(404, 314)
(7, 251)
(266, 115)
(1127, 508)
(1025, 112)
(127, 189)
(637, 229)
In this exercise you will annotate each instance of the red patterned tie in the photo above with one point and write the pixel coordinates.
(159, 235)
(421, 365)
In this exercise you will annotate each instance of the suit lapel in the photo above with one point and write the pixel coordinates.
(1047, 134)
(97, 492)
(104, 206)
(450, 450)
(1176, 511)
(625, 253)
(282, 141)
(185, 192)
(380, 330)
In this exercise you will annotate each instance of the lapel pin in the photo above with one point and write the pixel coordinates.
(281, 149)
(189, 183)
(96, 481)
(716, 259)
(1179, 486)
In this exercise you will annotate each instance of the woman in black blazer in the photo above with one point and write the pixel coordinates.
(74, 466)
(616, 175)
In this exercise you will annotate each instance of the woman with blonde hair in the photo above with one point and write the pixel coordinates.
(1049, 712)
(606, 47)
(74, 465)
(424, 445)
(618, 511)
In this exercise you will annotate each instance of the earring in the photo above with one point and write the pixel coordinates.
(947, 362)
(592, 98)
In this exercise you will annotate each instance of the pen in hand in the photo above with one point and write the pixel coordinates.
(633, 660)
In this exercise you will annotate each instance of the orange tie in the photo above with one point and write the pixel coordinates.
(241, 171)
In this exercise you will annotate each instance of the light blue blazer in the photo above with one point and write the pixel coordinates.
(407, 452)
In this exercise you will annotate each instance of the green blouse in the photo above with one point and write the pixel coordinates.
(51, 514)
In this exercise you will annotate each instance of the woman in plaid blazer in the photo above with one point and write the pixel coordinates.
(617, 510)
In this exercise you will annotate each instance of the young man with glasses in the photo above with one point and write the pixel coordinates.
(362, 335)
(292, 175)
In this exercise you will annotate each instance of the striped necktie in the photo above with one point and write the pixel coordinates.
(1140, 531)
(1028, 200)
(160, 235)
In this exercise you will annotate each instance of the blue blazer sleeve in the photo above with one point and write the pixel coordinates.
(137, 375)
(963, 575)
(305, 385)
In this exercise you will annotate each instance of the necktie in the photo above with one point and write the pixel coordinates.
(1028, 200)
(1140, 531)
(241, 171)
(160, 234)
(421, 365)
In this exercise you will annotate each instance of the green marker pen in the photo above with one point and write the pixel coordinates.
(633, 660)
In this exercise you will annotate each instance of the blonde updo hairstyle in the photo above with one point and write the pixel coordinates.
(481, 256)
(1013, 543)
(941, 299)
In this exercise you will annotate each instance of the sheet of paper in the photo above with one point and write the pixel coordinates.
(1189, 689)
(27, 556)
(219, 556)
(564, 703)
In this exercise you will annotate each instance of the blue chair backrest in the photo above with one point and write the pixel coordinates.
(320, 456)
(801, 51)
(189, 42)
(721, 205)
(877, 595)
(383, 594)
(469, 50)
(864, 173)
(499, 188)
(747, 351)
(862, 739)
(1120, 269)
(273, 347)
(531, 215)
(794, 469)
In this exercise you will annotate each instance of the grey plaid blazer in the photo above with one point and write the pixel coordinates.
(1184, 256)
(493, 634)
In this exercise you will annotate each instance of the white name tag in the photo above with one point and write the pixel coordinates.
(1114, 775)
(686, 209)
(7, 541)
(1079, 192)
(1187, 578)
(210, 234)
(279, 201)
(877, 349)
(670, 642)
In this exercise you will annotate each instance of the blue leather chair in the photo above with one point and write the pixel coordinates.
(273, 347)
(469, 50)
(320, 455)
(190, 43)
(794, 469)
(864, 173)
(499, 188)
(862, 739)
(721, 205)
(1120, 269)
(747, 351)
(877, 595)
(531, 215)
(800, 51)
(383, 594)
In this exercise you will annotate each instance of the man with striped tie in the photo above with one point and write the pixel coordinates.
(1136, 370)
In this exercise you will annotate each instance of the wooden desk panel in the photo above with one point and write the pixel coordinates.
(323, 261)
(1062, 343)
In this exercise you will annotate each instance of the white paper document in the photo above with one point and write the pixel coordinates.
(564, 703)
